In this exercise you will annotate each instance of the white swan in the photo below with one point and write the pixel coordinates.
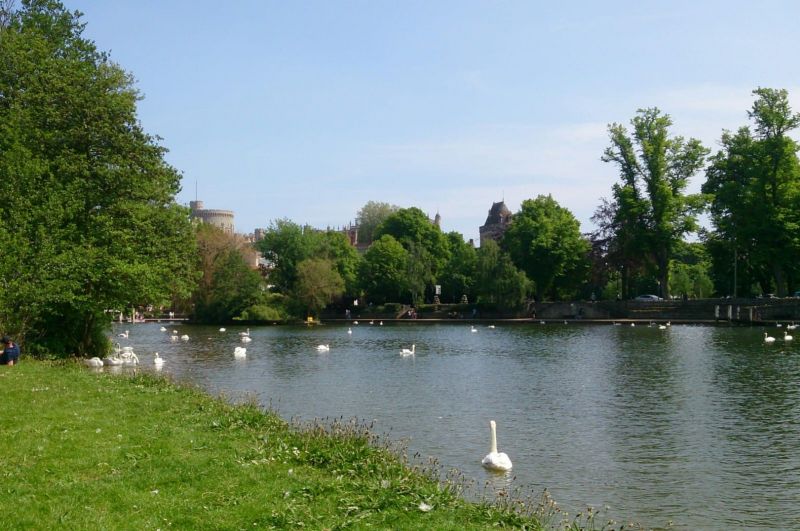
(163, 328)
(323, 348)
(662, 327)
(355, 323)
(93, 362)
(495, 460)
(768, 338)
(158, 360)
(349, 331)
(473, 329)
(240, 353)
(185, 337)
(791, 326)
(174, 331)
(380, 324)
(112, 361)
(406, 352)
(371, 323)
(123, 334)
(246, 339)
(787, 337)
(222, 330)
(174, 337)
(490, 326)
(245, 334)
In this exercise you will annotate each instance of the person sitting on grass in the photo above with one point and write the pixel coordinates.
(10, 352)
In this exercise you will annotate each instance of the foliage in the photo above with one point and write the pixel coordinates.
(229, 284)
(411, 226)
(270, 307)
(318, 284)
(383, 270)
(545, 242)
(89, 221)
(754, 185)
(457, 278)
(498, 279)
(370, 217)
(650, 213)
(287, 244)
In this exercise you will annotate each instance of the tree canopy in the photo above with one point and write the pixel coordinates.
(88, 222)
(650, 212)
(545, 242)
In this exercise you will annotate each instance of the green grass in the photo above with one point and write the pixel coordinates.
(84, 450)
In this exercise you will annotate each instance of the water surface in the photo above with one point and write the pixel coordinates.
(698, 426)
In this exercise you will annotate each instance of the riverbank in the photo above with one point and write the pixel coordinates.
(87, 450)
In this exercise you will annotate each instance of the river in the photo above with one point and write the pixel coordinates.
(694, 425)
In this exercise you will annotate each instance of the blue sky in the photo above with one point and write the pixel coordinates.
(308, 109)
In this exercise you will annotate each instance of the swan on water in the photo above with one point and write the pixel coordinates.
(185, 337)
(163, 328)
(93, 362)
(371, 323)
(495, 460)
(768, 338)
(380, 324)
(240, 353)
(174, 337)
(158, 360)
(245, 334)
(787, 337)
(662, 327)
(246, 339)
(112, 360)
(222, 329)
(406, 352)
(355, 323)
(174, 331)
(473, 329)
(123, 334)
(323, 348)
(791, 326)
(349, 331)
(490, 326)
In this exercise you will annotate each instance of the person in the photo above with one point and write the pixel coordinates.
(10, 352)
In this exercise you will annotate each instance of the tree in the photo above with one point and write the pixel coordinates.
(343, 258)
(318, 284)
(754, 185)
(370, 217)
(229, 284)
(498, 280)
(457, 278)
(383, 270)
(650, 210)
(411, 226)
(89, 222)
(285, 245)
(545, 242)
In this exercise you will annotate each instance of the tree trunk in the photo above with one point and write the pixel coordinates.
(780, 280)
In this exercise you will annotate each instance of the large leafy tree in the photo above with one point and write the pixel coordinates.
(88, 222)
(650, 212)
(286, 244)
(545, 242)
(318, 284)
(457, 278)
(228, 284)
(498, 280)
(371, 215)
(754, 184)
(383, 271)
(425, 243)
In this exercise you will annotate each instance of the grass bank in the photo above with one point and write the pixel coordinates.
(82, 450)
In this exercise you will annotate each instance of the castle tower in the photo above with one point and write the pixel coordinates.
(497, 222)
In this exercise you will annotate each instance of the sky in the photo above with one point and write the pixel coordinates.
(307, 110)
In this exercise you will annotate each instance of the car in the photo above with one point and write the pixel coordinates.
(648, 297)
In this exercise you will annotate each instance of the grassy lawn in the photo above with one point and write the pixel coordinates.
(85, 450)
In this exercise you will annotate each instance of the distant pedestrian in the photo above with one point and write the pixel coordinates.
(10, 352)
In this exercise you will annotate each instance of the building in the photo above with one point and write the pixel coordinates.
(497, 222)
(222, 219)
